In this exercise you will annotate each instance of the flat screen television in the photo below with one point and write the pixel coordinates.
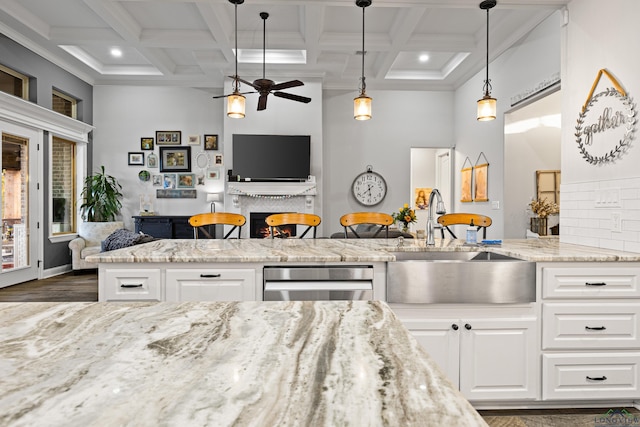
(271, 157)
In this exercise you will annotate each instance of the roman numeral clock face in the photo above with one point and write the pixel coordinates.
(369, 188)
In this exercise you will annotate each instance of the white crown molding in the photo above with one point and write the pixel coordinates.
(27, 113)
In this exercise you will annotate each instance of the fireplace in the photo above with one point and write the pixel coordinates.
(258, 228)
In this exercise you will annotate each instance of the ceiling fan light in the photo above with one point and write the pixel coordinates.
(235, 106)
(362, 107)
(487, 108)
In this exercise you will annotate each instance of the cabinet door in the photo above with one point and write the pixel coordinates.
(441, 340)
(214, 284)
(498, 359)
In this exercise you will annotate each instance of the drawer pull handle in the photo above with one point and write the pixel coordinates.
(595, 284)
(467, 327)
(595, 328)
(207, 276)
(602, 378)
(454, 327)
(139, 285)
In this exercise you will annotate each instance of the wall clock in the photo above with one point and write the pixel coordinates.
(369, 188)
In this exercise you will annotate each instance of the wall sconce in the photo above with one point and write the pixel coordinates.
(362, 104)
(213, 198)
(487, 105)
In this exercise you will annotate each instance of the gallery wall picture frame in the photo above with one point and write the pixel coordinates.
(218, 160)
(186, 180)
(175, 159)
(152, 160)
(213, 173)
(156, 180)
(210, 142)
(135, 159)
(168, 137)
(169, 180)
(193, 140)
(146, 143)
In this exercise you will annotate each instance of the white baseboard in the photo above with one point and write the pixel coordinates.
(56, 271)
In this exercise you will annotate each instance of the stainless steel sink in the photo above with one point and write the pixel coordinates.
(436, 277)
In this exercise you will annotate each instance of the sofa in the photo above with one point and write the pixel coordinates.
(89, 242)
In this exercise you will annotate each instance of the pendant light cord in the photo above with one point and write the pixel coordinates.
(487, 84)
(363, 85)
(236, 83)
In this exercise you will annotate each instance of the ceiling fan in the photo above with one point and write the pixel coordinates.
(265, 86)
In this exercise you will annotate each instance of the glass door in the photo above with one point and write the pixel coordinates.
(19, 195)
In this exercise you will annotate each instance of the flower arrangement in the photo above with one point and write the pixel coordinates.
(405, 215)
(544, 208)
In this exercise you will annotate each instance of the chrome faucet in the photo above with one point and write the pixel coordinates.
(440, 209)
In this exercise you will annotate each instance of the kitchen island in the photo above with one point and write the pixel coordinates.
(217, 363)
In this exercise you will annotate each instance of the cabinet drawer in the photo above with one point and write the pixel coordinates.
(211, 284)
(590, 326)
(594, 282)
(592, 376)
(128, 285)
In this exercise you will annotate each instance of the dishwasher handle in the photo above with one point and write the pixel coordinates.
(318, 286)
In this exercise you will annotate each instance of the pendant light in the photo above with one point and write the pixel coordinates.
(487, 105)
(235, 101)
(362, 104)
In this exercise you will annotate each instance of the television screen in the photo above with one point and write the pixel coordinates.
(271, 157)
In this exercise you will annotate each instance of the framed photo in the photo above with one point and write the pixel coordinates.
(218, 160)
(213, 173)
(152, 160)
(174, 159)
(169, 180)
(157, 180)
(194, 140)
(146, 143)
(186, 180)
(136, 159)
(211, 142)
(166, 137)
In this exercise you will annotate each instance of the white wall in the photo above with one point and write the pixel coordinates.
(599, 35)
(535, 59)
(401, 120)
(124, 114)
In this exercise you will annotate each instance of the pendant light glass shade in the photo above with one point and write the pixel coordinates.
(362, 104)
(235, 105)
(362, 107)
(487, 106)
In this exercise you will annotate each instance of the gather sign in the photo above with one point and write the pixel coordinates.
(606, 123)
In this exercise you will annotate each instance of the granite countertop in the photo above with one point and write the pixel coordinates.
(344, 250)
(219, 363)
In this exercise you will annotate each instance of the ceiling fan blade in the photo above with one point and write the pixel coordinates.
(287, 85)
(292, 97)
(262, 102)
(248, 83)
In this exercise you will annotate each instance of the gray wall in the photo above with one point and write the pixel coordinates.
(45, 77)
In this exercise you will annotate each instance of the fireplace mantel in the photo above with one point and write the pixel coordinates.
(290, 189)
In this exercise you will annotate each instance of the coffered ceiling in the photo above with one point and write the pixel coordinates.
(191, 42)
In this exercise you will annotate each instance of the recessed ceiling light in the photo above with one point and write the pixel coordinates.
(116, 53)
(424, 57)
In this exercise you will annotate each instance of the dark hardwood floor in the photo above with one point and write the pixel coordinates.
(72, 287)
(67, 287)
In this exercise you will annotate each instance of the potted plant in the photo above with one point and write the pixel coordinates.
(101, 195)
(404, 217)
(542, 208)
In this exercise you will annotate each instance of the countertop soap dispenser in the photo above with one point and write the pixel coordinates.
(472, 234)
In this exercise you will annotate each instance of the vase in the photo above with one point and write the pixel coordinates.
(539, 225)
(404, 228)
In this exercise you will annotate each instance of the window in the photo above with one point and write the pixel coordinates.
(63, 104)
(63, 187)
(14, 83)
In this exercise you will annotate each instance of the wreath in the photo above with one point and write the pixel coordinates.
(626, 139)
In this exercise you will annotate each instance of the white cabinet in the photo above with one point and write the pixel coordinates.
(490, 357)
(590, 331)
(211, 284)
(124, 284)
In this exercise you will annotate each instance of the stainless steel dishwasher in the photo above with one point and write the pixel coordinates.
(313, 283)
